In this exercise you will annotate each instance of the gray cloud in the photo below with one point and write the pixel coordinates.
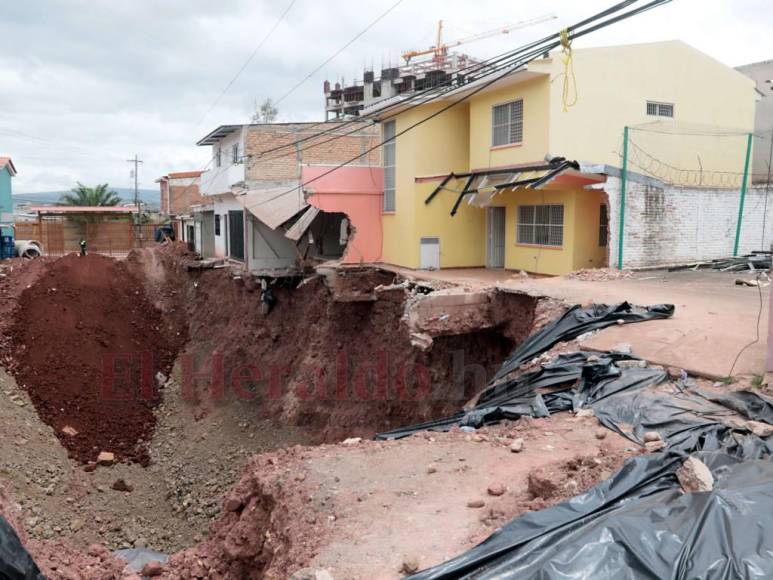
(84, 84)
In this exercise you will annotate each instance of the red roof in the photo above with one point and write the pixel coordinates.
(6, 161)
(57, 209)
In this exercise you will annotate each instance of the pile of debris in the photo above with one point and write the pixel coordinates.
(754, 262)
(599, 274)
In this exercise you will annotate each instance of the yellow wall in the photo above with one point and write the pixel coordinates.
(581, 232)
(539, 259)
(587, 211)
(436, 147)
(535, 94)
(613, 86)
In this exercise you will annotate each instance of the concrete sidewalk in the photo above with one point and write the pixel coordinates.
(714, 318)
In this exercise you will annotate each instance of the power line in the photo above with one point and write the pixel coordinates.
(248, 61)
(485, 68)
(339, 51)
(541, 47)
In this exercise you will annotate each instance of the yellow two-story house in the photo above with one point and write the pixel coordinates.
(492, 181)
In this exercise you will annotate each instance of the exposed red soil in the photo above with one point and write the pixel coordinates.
(81, 317)
(341, 369)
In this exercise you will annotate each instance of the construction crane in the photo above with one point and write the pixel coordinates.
(441, 48)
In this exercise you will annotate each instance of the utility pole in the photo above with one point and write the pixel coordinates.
(136, 161)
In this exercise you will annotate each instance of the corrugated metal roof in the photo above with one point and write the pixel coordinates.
(273, 206)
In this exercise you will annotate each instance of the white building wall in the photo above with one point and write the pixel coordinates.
(671, 225)
(219, 179)
(222, 205)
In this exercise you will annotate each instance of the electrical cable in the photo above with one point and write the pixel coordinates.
(573, 33)
(339, 51)
(503, 61)
(249, 60)
(757, 338)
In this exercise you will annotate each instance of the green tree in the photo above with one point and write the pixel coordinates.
(82, 195)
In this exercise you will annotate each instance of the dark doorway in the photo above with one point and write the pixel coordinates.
(236, 234)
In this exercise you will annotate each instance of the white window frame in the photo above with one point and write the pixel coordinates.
(532, 226)
(389, 162)
(235, 153)
(660, 109)
(512, 126)
(218, 157)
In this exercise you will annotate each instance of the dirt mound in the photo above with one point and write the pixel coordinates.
(359, 510)
(89, 346)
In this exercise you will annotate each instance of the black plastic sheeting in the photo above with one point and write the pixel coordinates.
(577, 321)
(519, 397)
(15, 561)
(510, 398)
(638, 523)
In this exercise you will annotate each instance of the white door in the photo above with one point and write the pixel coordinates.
(197, 236)
(429, 254)
(496, 237)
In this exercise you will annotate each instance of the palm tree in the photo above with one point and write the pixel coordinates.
(83, 195)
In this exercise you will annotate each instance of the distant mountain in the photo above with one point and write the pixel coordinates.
(152, 197)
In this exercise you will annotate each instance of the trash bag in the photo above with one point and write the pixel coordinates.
(15, 561)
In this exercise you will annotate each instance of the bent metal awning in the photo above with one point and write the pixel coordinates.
(273, 206)
(481, 187)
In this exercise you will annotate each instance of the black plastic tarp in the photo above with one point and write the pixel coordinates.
(569, 381)
(577, 321)
(15, 561)
(638, 524)
(509, 397)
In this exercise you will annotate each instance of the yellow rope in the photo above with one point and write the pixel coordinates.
(569, 78)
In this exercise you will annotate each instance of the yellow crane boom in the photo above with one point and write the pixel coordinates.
(441, 48)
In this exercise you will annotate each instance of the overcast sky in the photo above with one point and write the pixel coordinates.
(86, 84)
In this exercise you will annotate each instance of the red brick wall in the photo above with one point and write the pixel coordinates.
(182, 197)
(285, 164)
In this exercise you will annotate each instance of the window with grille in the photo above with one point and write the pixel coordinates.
(541, 225)
(217, 224)
(218, 159)
(507, 124)
(235, 153)
(660, 109)
(603, 226)
(389, 165)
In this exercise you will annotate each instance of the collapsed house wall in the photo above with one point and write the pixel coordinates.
(358, 193)
(667, 224)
